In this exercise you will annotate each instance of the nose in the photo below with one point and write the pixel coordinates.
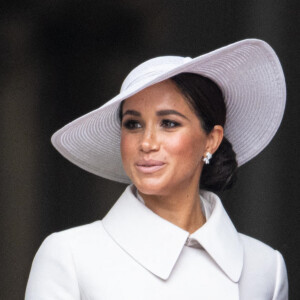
(149, 140)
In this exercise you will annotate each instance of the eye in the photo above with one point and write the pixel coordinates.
(169, 124)
(131, 124)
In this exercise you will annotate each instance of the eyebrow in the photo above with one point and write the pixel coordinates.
(131, 113)
(170, 112)
(158, 113)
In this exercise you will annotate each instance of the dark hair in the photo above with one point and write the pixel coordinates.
(206, 99)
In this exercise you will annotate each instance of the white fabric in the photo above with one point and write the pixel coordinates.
(135, 254)
(252, 81)
(190, 242)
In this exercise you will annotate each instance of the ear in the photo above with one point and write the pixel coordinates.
(214, 139)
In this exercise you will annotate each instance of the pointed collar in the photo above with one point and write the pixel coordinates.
(156, 244)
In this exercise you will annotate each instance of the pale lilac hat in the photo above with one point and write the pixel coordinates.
(249, 74)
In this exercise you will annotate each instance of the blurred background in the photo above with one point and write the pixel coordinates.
(60, 59)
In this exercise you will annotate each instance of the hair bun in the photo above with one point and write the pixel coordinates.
(221, 173)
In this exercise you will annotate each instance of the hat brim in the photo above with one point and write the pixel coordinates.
(252, 81)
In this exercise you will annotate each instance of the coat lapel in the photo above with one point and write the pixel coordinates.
(219, 237)
(156, 243)
(152, 241)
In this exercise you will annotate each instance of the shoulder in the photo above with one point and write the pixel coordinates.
(76, 240)
(54, 270)
(79, 233)
(257, 251)
(264, 270)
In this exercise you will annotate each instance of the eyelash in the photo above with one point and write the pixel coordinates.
(165, 123)
(131, 124)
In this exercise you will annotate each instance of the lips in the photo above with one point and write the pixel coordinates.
(149, 166)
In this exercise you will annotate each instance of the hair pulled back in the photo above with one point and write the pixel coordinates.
(206, 99)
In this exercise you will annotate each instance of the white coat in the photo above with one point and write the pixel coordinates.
(135, 254)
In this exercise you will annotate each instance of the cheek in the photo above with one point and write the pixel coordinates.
(124, 147)
(186, 148)
(127, 147)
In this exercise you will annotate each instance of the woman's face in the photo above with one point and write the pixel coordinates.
(162, 141)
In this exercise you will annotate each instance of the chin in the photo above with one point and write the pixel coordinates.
(151, 187)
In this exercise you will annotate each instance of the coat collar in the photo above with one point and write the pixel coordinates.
(156, 244)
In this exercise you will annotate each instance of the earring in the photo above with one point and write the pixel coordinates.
(207, 158)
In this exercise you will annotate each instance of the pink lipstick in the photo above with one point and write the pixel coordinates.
(149, 166)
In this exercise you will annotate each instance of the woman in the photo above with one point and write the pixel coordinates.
(162, 240)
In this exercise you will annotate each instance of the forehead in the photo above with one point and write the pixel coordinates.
(162, 95)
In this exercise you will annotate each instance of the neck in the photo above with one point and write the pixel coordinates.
(182, 208)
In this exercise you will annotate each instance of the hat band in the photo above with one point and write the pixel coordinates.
(145, 77)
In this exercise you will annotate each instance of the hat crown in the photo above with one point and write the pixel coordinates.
(151, 69)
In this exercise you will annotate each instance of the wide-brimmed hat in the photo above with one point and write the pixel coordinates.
(249, 75)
